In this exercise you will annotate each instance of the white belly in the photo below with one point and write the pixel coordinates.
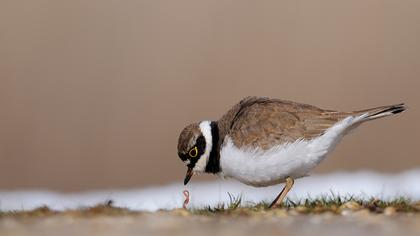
(260, 168)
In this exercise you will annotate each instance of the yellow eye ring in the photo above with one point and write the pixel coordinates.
(193, 152)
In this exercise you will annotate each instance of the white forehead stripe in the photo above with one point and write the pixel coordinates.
(205, 129)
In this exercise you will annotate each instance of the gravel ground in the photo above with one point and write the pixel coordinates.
(181, 222)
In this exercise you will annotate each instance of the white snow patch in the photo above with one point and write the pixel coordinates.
(362, 184)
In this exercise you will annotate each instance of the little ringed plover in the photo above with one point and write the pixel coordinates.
(262, 141)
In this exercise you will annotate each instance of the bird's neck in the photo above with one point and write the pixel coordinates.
(213, 164)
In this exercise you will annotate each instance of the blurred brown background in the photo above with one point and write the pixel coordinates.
(94, 93)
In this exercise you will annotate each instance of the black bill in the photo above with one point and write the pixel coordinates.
(188, 175)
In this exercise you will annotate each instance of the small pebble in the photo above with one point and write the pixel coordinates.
(301, 209)
(181, 212)
(390, 211)
(280, 213)
(345, 212)
(350, 205)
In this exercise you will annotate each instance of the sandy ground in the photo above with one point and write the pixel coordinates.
(180, 222)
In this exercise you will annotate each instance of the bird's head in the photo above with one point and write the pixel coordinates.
(194, 146)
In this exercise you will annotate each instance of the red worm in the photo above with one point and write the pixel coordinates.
(187, 198)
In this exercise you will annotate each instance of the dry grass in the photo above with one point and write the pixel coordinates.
(335, 205)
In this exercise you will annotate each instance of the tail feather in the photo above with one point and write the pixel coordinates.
(374, 113)
(379, 112)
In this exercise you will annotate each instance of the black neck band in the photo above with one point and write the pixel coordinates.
(213, 165)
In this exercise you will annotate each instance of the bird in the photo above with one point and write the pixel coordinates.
(264, 141)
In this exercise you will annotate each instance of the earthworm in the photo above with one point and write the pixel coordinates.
(187, 198)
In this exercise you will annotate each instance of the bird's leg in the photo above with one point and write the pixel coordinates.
(279, 199)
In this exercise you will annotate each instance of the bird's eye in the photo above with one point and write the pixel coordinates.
(193, 152)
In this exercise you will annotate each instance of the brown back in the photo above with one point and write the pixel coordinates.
(265, 122)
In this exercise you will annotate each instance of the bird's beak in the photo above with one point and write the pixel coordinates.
(188, 175)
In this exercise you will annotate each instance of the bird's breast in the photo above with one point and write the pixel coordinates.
(261, 168)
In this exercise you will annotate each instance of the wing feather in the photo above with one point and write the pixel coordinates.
(267, 122)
